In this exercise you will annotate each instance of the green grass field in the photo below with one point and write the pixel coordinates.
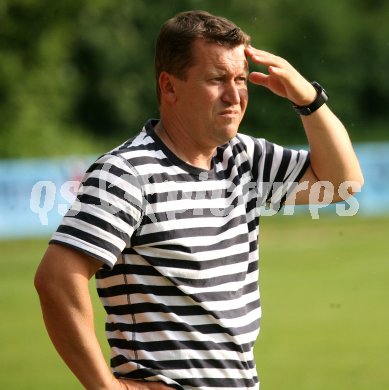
(324, 291)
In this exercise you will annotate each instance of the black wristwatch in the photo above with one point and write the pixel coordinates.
(321, 98)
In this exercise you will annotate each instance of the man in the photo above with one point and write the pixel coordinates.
(168, 221)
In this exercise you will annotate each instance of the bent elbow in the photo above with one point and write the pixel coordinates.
(359, 177)
(357, 184)
(361, 181)
(349, 188)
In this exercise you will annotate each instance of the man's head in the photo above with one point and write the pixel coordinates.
(174, 52)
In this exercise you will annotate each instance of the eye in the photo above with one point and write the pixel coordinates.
(242, 79)
(218, 79)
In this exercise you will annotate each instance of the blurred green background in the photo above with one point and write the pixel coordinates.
(76, 78)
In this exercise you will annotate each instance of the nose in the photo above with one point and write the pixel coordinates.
(232, 93)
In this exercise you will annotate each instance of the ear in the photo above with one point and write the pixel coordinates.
(167, 87)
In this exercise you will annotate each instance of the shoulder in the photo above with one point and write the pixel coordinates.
(142, 144)
(253, 147)
(139, 150)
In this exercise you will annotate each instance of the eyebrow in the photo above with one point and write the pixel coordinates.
(220, 67)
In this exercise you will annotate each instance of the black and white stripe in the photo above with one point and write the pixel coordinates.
(180, 253)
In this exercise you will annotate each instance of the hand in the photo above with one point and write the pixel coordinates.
(127, 384)
(283, 79)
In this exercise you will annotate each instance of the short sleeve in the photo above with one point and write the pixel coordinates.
(106, 212)
(276, 170)
(281, 172)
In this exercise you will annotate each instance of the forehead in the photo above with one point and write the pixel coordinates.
(213, 55)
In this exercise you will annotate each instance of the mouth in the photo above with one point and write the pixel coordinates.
(229, 113)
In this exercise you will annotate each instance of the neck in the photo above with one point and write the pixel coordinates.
(183, 148)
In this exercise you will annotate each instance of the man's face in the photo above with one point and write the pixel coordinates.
(212, 99)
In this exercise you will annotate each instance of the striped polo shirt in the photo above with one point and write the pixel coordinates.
(179, 252)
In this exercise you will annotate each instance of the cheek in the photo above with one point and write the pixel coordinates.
(202, 96)
(244, 98)
(243, 93)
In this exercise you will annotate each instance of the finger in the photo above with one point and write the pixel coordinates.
(279, 72)
(262, 57)
(267, 60)
(258, 78)
(252, 51)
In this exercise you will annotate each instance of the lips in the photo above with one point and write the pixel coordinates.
(229, 113)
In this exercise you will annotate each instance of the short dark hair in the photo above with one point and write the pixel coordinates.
(173, 52)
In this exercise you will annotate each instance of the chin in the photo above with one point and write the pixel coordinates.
(227, 135)
(232, 130)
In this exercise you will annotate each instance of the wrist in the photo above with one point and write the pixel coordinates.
(109, 383)
(320, 98)
(311, 95)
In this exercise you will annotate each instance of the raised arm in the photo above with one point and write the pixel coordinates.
(332, 157)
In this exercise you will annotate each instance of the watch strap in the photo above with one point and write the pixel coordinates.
(321, 98)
